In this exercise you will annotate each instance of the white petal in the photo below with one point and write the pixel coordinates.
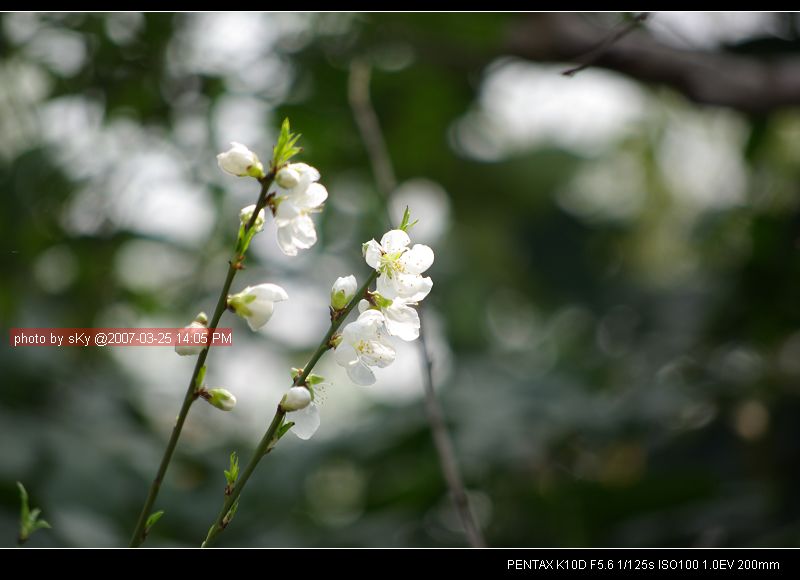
(307, 173)
(410, 287)
(402, 321)
(306, 421)
(363, 305)
(385, 287)
(372, 319)
(360, 374)
(378, 354)
(345, 354)
(312, 197)
(286, 212)
(417, 259)
(372, 254)
(271, 292)
(394, 241)
(421, 290)
(260, 313)
(285, 240)
(304, 234)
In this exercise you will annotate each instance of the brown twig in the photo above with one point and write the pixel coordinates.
(375, 144)
(591, 57)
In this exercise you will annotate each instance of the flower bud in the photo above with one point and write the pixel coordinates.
(343, 291)
(240, 161)
(220, 398)
(287, 178)
(200, 322)
(297, 398)
(247, 214)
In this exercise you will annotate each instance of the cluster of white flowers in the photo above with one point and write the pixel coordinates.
(296, 195)
(389, 310)
(386, 312)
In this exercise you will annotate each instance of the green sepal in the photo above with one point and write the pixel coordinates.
(152, 520)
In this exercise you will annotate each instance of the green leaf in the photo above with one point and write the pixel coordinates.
(405, 225)
(232, 474)
(25, 509)
(152, 520)
(285, 148)
(29, 520)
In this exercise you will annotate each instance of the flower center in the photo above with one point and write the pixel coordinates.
(390, 264)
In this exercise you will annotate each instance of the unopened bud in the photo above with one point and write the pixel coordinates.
(343, 291)
(297, 398)
(220, 398)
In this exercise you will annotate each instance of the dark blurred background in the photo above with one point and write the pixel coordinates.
(615, 320)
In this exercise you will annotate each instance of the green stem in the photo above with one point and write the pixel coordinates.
(264, 445)
(140, 533)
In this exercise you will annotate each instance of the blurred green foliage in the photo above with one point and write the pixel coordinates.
(618, 326)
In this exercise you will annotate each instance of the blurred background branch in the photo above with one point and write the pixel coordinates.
(742, 82)
(370, 129)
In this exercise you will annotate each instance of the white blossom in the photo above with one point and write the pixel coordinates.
(400, 319)
(307, 419)
(256, 303)
(364, 343)
(240, 161)
(298, 195)
(400, 267)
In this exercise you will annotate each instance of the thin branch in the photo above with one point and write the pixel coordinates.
(140, 533)
(375, 144)
(264, 445)
(591, 57)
